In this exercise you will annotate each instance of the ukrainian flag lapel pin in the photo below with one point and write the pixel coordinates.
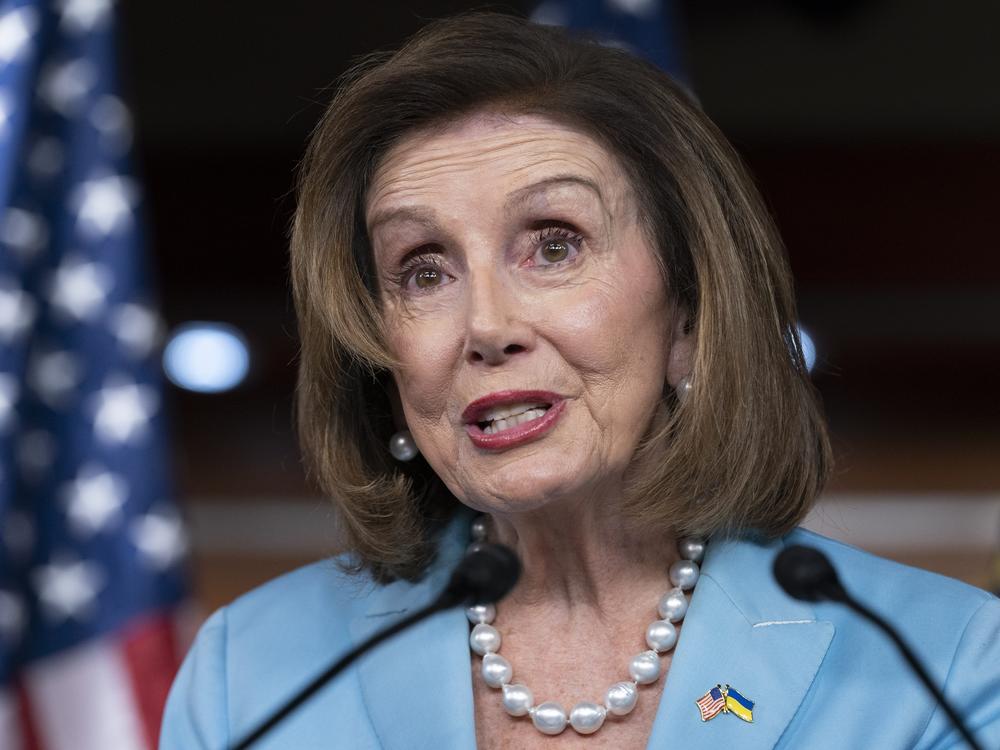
(738, 704)
(723, 699)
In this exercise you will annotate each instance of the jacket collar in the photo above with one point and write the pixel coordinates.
(417, 686)
(741, 629)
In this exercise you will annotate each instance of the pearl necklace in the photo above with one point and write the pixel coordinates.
(619, 699)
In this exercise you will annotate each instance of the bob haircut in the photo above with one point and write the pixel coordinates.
(747, 451)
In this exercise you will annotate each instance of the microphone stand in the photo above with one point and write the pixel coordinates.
(443, 602)
(911, 659)
(485, 575)
(805, 573)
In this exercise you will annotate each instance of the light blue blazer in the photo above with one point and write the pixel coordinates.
(821, 678)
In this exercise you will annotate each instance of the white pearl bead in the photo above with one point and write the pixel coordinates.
(517, 699)
(485, 639)
(684, 574)
(402, 447)
(548, 718)
(481, 613)
(621, 698)
(480, 528)
(496, 670)
(645, 667)
(691, 548)
(683, 389)
(587, 718)
(673, 606)
(660, 635)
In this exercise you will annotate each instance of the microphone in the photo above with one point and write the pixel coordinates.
(485, 575)
(806, 574)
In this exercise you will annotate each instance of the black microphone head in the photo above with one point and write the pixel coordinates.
(485, 575)
(805, 573)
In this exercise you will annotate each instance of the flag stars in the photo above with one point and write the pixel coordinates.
(137, 328)
(111, 118)
(160, 538)
(17, 311)
(6, 112)
(18, 533)
(104, 205)
(68, 588)
(79, 288)
(551, 14)
(16, 29)
(9, 392)
(26, 233)
(13, 616)
(122, 411)
(64, 86)
(46, 157)
(54, 376)
(81, 16)
(36, 450)
(94, 500)
(638, 8)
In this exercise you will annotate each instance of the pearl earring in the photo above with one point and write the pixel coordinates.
(402, 447)
(683, 388)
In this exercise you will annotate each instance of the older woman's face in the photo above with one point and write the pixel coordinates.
(525, 306)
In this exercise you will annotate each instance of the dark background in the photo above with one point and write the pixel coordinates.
(872, 127)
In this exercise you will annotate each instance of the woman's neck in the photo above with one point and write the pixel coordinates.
(582, 553)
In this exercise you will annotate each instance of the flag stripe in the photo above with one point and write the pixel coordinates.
(28, 733)
(68, 691)
(710, 704)
(10, 724)
(150, 652)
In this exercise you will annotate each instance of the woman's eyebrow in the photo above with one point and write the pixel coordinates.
(425, 215)
(415, 214)
(522, 195)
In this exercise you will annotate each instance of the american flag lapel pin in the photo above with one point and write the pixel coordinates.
(712, 703)
(723, 699)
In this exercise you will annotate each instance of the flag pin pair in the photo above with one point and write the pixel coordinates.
(722, 699)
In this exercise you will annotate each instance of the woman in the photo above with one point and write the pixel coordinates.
(541, 303)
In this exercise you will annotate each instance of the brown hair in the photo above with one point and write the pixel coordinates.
(746, 451)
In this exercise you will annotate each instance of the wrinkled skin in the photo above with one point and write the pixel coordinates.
(497, 273)
(497, 300)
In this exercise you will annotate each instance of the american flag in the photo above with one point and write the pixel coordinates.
(648, 28)
(711, 704)
(91, 546)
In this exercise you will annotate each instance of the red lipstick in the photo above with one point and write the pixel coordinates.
(519, 434)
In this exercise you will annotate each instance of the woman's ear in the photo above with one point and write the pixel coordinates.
(683, 340)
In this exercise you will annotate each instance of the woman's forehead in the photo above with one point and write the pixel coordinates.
(517, 150)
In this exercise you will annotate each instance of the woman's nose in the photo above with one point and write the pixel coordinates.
(496, 328)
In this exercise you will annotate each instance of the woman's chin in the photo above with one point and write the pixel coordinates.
(523, 489)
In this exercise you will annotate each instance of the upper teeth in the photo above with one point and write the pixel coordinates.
(510, 410)
(498, 425)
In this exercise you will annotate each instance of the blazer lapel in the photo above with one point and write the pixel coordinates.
(741, 629)
(417, 686)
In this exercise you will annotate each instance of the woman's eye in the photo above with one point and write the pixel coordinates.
(422, 274)
(555, 246)
(555, 250)
(426, 278)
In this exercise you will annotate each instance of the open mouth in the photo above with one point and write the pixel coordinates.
(506, 419)
(502, 418)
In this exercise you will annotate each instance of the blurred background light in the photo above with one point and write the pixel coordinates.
(808, 347)
(206, 357)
